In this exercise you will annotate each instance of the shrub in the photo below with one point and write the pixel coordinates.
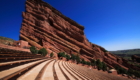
(61, 54)
(83, 61)
(73, 57)
(88, 63)
(98, 61)
(105, 50)
(42, 51)
(51, 55)
(120, 70)
(77, 59)
(99, 64)
(104, 68)
(93, 62)
(67, 57)
(33, 50)
(130, 72)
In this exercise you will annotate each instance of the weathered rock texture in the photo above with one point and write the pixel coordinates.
(44, 26)
(135, 58)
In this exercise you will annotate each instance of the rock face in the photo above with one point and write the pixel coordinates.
(44, 26)
(135, 58)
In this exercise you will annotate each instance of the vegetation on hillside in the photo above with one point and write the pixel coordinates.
(126, 53)
(7, 41)
(129, 72)
(4, 38)
(76, 58)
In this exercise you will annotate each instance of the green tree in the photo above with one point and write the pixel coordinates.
(105, 50)
(42, 51)
(130, 72)
(73, 57)
(88, 63)
(121, 70)
(77, 59)
(67, 57)
(51, 55)
(98, 61)
(83, 61)
(93, 62)
(33, 50)
(104, 68)
(99, 64)
(61, 54)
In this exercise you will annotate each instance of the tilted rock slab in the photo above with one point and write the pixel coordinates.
(44, 26)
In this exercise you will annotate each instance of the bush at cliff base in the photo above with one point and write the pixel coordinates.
(104, 68)
(93, 62)
(42, 51)
(61, 55)
(33, 50)
(73, 57)
(77, 59)
(67, 57)
(99, 64)
(51, 55)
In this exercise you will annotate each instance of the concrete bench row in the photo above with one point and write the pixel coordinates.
(9, 73)
(93, 74)
(50, 69)
(17, 56)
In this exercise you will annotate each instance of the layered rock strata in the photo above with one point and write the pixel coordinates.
(44, 26)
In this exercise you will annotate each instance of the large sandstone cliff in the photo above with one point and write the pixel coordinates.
(44, 26)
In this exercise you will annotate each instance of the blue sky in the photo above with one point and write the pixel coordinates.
(112, 24)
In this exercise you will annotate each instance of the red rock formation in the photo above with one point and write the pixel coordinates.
(44, 26)
(135, 58)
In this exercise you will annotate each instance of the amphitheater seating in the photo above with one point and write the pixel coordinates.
(27, 66)
(7, 55)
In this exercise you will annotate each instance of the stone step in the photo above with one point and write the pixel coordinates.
(71, 77)
(19, 61)
(98, 75)
(32, 74)
(48, 72)
(6, 74)
(75, 72)
(71, 72)
(78, 68)
(84, 71)
(59, 72)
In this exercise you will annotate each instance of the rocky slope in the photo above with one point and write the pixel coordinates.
(44, 26)
(6, 41)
